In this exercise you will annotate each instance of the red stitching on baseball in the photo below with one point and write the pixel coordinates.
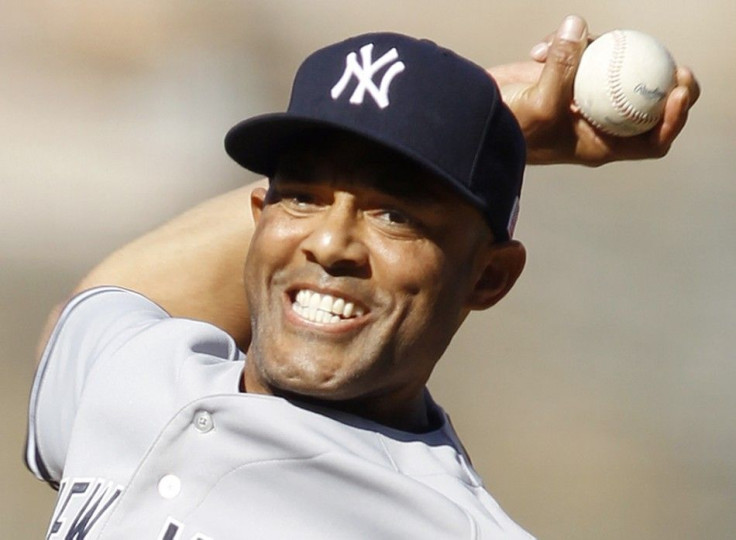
(615, 90)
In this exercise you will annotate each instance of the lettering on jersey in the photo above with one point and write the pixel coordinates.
(80, 505)
(365, 72)
(172, 531)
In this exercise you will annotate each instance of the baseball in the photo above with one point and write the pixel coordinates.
(622, 82)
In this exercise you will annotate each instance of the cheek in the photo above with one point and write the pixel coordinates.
(271, 249)
(412, 269)
(434, 282)
(430, 292)
(273, 244)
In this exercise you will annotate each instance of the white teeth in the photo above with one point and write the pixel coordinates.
(326, 303)
(324, 308)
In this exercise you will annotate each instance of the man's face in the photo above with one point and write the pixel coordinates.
(360, 270)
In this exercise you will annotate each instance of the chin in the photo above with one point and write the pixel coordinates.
(309, 381)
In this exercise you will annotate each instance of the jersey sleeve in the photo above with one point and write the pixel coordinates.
(91, 327)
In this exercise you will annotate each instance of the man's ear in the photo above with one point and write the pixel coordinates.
(502, 264)
(257, 202)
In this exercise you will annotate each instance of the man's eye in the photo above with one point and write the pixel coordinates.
(298, 201)
(394, 217)
(301, 199)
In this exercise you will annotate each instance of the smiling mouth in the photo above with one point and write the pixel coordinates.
(324, 308)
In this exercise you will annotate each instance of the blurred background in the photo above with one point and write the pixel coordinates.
(597, 400)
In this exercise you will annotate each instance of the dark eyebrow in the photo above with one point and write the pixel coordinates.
(396, 181)
(380, 168)
(402, 181)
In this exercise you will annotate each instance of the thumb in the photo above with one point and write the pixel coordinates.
(558, 75)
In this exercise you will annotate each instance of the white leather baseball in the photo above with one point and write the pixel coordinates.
(622, 82)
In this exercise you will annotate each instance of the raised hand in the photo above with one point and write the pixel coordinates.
(540, 91)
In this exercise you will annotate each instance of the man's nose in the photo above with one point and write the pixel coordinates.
(336, 242)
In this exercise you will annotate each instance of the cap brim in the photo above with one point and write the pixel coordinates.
(257, 143)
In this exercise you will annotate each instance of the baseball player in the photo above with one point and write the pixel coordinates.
(179, 397)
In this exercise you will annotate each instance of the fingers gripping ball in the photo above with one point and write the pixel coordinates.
(622, 82)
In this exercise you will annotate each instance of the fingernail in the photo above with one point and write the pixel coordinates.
(539, 50)
(571, 29)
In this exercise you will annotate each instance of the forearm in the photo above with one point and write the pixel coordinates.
(193, 265)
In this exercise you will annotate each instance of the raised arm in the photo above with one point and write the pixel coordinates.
(193, 265)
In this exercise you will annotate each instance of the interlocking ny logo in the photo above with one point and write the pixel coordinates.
(365, 72)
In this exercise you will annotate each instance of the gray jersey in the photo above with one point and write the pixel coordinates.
(137, 418)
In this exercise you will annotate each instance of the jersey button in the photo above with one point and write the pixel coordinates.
(169, 486)
(203, 422)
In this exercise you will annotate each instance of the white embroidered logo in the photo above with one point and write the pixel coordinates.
(364, 73)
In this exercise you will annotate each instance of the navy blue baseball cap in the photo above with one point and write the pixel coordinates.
(441, 111)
